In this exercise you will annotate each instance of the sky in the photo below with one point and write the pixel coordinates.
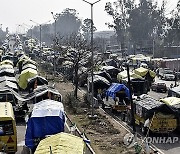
(14, 13)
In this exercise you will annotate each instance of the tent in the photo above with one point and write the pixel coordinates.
(47, 118)
(116, 88)
(61, 143)
(24, 76)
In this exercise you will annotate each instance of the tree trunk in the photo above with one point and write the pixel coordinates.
(76, 80)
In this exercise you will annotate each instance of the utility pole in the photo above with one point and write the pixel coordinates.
(92, 56)
(55, 17)
(130, 93)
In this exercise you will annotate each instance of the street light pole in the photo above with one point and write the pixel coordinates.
(92, 55)
(40, 27)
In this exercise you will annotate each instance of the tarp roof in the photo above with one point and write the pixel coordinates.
(8, 78)
(97, 78)
(115, 88)
(61, 143)
(143, 71)
(9, 84)
(25, 75)
(29, 66)
(41, 91)
(173, 101)
(46, 108)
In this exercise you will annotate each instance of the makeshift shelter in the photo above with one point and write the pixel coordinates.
(7, 62)
(44, 92)
(104, 74)
(29, 61)
(147, 74)
(115, 90)
(24, 76)
(8, 78)
(7, 72)
(61, 143)
(9, 84)
(123, 75)
(172, 101)
(36, 81)
(6, 66)
(99, 83)
(111, 70)
(144, 72)
(47, 118)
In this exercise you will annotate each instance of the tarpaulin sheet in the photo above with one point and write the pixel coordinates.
(61, 143)
(47, 118)
(116, 87)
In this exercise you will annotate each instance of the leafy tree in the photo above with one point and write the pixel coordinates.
(173, 36)
(78, 49)
(119, 11)
(86, 28)
(68, 22)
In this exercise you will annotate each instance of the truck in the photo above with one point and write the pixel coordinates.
(153, 116)
(166, 74)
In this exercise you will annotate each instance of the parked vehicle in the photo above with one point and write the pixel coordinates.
(159, 87)
(166, 74)
(153, 115)
(8, 133)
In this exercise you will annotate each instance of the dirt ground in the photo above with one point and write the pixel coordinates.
(105, 134)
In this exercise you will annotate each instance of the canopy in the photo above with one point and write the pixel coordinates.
(61, 143)
(24, 76)
(143, 72)
(115, 88)
(47, 118)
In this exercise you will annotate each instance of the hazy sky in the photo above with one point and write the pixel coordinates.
(18, 12)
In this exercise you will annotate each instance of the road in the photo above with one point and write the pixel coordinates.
(167, 148)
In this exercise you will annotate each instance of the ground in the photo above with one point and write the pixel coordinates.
(105, 134)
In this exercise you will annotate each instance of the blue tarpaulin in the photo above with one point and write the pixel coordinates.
(116, 87)
(47, 118)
